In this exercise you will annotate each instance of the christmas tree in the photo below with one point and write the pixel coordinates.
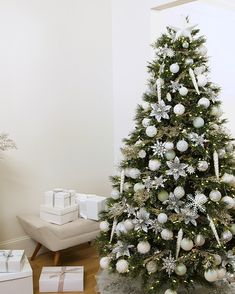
(170, 217)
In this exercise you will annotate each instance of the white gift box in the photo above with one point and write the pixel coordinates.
(90, 206)
(21, 282)
(60, 198)
(59, 216)
(11, 261)
(62, 279)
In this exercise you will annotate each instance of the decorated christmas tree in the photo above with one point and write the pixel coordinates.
(170, 217)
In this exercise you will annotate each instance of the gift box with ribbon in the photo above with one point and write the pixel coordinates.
(60, 198)
(11, 260)
(62, 279)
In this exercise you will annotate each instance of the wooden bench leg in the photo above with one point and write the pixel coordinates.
(37, 248)
(56, 257)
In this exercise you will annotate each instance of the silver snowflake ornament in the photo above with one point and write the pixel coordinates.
(189, 216)
(160, 110)
(142, 221)
(169, 264)
(195, 204)
(148, 183)
(176, 169)
(198, 140)
(122, 249)
(175, 85)
(159, 148)
(190, 170)
(166, 52)
(173, 203)
(158, 182)
(156, 226)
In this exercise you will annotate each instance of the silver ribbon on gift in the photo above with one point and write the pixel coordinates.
(7, 254)
(61, 275)
(55, 191)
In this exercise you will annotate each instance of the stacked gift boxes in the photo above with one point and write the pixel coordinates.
(15, 272)
(59, 206)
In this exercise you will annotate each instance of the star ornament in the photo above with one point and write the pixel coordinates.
(184, 31)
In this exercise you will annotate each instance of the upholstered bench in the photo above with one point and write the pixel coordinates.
(55, 237)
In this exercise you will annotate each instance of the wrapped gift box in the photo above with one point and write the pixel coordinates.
(60, 198)
(62, 279)
(90, 206)
(11, 261)
(59, 216)
(21, 282)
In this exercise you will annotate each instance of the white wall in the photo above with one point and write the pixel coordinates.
(55, 97)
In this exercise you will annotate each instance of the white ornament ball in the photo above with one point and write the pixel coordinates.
(127, 172)
(221, 153)
(179, 192)
(186, 244)
(189, 61)
(232, 229)
(134, 173)
(218, 259)
(202, 80)
(211, 275)
(154, 164)
(202, 50)
(185, 44)
(170, 154)
(104, 226)
(199, 240)
(163, 195)
(151, 267)
(104, 262)
(201, 199)
(183, 91)
(151, 131)
(174, 68)
(227, 236)
(167, 234)
(169, 145)
(198, 70)
(146, 122)
(143, 247)
(216, 111)
(162, 218)
(180, 269)
(138, 187)
(145, 105)
(161, 81)
(204, 102)
(221, 273)
(122, 266)
(179, 109)
(215, 195)
(229, 147)
(115, 194)
(182, 145)
(142, 154)
(127, 186)
(169, 291)
(198, 122)
(229, 201)
(202, 165)
(128, 224)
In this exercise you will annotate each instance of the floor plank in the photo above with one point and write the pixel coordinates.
(85, 255)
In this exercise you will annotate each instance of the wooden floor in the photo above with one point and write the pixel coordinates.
(84, 255)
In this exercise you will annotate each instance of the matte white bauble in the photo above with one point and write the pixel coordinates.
(145, 105)
(151, 267)
(161, 81)
(128, 224)
(122, 266)
(163, 196)
(162, 218)
(151, 131)
(167, 234)
(138, 142)
(204, 102)
(179, 109)
(202, 80)
(202, 50)
(227, 236)
(199, 240)
(138, 187)
(186, 244)
(174, 68)
(115, 194)
(154, 164)
(229, 201)
(229, 147)
(216, 111)
(143, 247)
(170, 154)
(146, 122)
(221, 153)
(218, 259)
(142, 154)
(169, 145)
(201, 199)
(198, 122)
(232, 229)
(198, 70)
(180, 269)
(215, 195)
(182, 145)
(134, 173)
(104, 262)
(104, 226)
(202, 165)
(127, 186)
(169, 291)
(179, 192)
(211, 275)
(127, 172)
(221, 273)
(189, 61)
(185, 44)
(183, 91)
